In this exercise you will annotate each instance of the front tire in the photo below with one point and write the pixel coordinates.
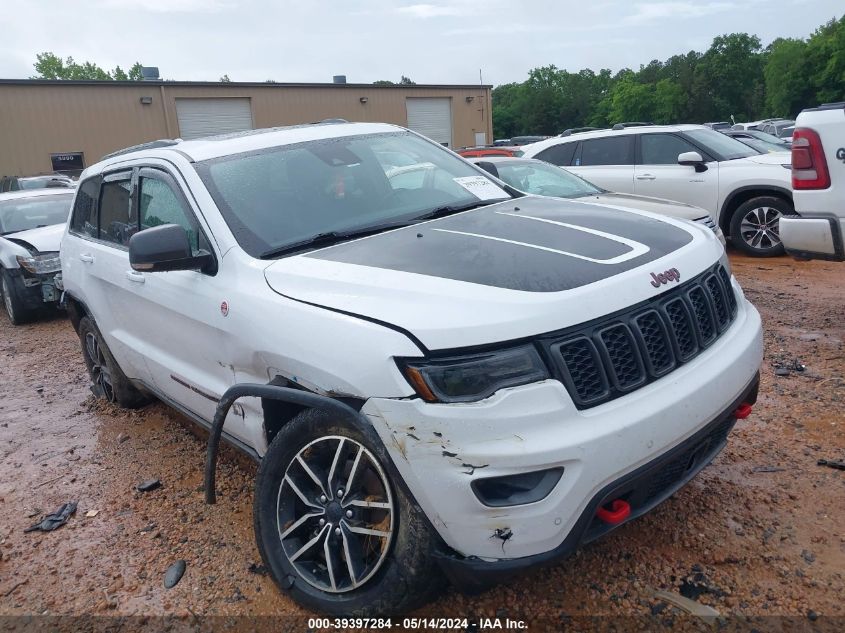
(755, 226)
(336, 532)
(16, 311)
(108, 380)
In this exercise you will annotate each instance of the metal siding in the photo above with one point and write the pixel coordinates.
(40, 119)
(210, 116)
(431, 117)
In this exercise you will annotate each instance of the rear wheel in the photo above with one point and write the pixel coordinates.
(338, 535)
(15, 310)
(108, 380)
(755, 226)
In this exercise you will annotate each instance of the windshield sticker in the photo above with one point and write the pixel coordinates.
(481, 188)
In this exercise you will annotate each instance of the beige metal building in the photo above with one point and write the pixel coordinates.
(48, 126)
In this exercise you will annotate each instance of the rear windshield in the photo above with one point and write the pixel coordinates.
(22, 214)
(281, 196)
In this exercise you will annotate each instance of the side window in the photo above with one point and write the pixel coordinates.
(662, 149)
(612, 150)
(118, 221)
(560, 154)
(84, 220)
(159, 204)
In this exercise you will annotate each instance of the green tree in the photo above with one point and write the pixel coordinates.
(787, 89)
(826, 61)
(50, 66)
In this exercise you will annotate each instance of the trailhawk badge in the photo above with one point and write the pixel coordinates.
(661, 279)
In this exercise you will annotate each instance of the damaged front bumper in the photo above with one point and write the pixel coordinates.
(36, 290)
(445, 453)
(643, 489)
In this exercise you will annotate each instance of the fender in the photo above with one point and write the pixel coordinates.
(724, 219)
(8, 250)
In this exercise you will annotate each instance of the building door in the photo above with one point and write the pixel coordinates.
(206, 117)
(431, 117)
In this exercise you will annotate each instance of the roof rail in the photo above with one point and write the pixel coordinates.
(165, 142)
(622, 126)
(577, 130)
(330, 121)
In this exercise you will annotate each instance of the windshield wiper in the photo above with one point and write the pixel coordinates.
(449, 209)
(330, 237)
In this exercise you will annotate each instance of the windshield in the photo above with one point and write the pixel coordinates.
(283, 196)
(721, 146)
(22, 214)
(543, 179)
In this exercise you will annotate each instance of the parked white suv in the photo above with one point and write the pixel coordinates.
(818, 180)
(746, 192)
(435, 373)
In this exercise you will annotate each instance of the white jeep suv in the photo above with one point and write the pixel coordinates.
(436, 374)
(818, 178)
(746, 192)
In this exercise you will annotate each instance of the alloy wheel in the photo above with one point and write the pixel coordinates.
(335, 514)
(99, 370)
(760, 228)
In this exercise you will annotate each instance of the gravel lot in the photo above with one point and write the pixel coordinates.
(759, 532)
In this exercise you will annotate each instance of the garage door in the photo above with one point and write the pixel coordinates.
(431, 117)
(205, 117)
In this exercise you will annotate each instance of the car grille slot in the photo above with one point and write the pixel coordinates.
(605, 359)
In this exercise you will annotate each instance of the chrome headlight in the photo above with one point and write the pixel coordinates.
(474, 377)
(40, 263)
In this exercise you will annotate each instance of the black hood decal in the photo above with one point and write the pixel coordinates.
(529, 244)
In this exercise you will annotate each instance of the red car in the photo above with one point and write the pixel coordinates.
(479, 152)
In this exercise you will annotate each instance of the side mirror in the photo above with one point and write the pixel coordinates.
(692, 159)
(489, 167)
(162, 248)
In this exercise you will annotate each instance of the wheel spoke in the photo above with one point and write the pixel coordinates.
(334, 463)
(299, 522)
(299, 493)
(353, 554)
(383, 505)
(330, 555)
(354, 468)
(313, 476)
(368, 531)
(310, 543)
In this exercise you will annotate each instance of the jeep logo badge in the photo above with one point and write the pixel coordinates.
(661, 279)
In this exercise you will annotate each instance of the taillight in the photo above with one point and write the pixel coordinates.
(809, 167)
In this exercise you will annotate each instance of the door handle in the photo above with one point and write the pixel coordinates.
(135, 276)
(85, 257)
(646, 177)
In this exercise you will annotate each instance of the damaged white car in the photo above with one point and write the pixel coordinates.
(438, 374)
(32, 223)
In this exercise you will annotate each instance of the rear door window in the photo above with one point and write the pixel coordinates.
(84, 220)
(118, 219)
(612, 150)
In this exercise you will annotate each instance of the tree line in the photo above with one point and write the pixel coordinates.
(735, 76)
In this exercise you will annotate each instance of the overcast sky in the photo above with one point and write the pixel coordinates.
(434, 41)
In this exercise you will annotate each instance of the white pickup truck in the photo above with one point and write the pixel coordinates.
(818, 183)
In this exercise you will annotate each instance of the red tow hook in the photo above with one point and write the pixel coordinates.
(742, 411)
(619, 511)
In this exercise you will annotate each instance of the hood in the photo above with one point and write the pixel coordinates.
(659, 206)
(772, 158)
(44, 239)
(499, 273)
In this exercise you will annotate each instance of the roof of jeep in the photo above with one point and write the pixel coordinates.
(580, 136)
(226, 144)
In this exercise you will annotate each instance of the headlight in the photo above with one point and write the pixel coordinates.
(471, 378)
(40, 264)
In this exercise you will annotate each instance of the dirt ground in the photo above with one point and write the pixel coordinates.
(759, 532)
